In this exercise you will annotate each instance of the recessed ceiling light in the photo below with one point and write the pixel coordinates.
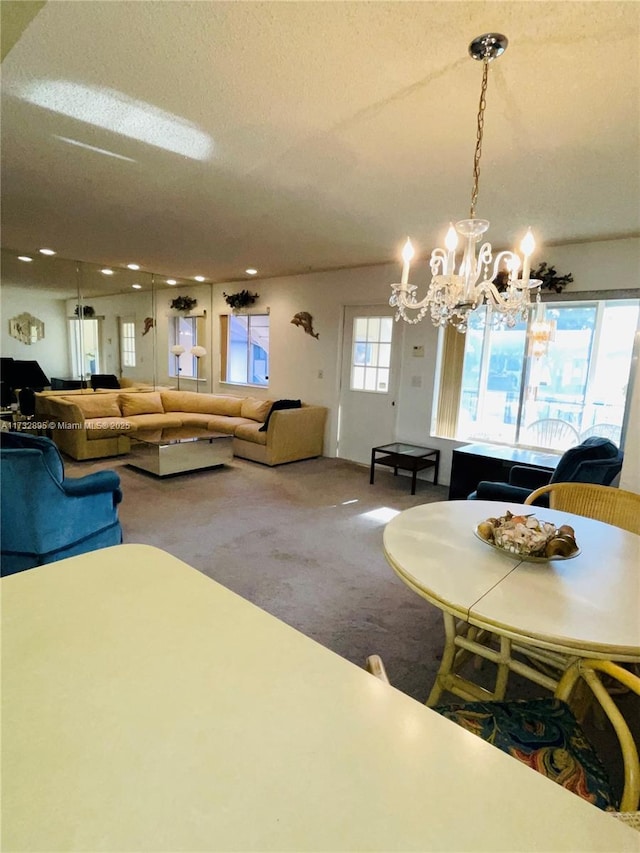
(133, 266)
(198, 278)
(136, 286)
(106, 271)
(46, 251)
(171, 281)
(251, 271)
(25, 259)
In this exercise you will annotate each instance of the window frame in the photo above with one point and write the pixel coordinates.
(225, 348)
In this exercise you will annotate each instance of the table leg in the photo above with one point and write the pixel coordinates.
(413, 481)
(446, 664)
(436, 469)
(373, 464)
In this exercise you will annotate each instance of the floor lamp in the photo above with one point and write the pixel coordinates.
(198, 352)
(177, 350)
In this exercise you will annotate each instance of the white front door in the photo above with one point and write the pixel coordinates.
(369, 380)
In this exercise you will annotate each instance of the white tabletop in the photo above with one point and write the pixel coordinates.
(433, 549)
(589, 604)
(147, 708)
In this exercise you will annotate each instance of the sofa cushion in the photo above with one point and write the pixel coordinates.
(206, 404)
(278, 406)
(219, 423)
(141, 403)
(251, 432)
(98, 406)
(256, 410)
(106, 428)
(154, 420)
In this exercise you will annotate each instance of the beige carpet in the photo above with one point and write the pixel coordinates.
(304, 542)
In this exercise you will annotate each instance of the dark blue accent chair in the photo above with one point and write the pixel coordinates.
(46, 517)
(597, 460)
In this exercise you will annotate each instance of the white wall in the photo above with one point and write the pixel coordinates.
(51, 352)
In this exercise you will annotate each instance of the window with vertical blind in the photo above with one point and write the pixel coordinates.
(495, 385)
(371, 354)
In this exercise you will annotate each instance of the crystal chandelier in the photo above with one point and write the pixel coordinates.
(456, 287)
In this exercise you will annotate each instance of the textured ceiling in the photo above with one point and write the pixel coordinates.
(296, 136)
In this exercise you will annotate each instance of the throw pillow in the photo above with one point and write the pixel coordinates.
(100, 406)
(255, 409)
(280, 404)
(142, 403)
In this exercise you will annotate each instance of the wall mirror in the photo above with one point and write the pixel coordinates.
(109, 321)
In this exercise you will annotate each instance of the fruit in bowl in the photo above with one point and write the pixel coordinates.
(527, 536)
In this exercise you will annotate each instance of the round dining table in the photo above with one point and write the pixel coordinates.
(541, 615)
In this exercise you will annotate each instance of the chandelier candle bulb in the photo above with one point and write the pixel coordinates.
(451, 242)
(527, 247)
(407, 255)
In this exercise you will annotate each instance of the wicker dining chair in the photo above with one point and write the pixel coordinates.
(604, 503)
(545, 735)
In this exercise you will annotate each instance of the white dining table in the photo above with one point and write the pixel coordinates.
(147, 708)
(556, 610)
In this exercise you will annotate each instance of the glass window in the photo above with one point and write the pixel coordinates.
(550, 391)
(247, 355)
(371, 354)
(128, 343)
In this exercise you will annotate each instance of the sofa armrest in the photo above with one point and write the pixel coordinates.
(529, 477)
(295, 434)
(488, 491)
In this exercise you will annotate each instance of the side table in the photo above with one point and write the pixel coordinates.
(408, 457)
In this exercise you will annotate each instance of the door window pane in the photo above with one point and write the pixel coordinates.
(367, 350)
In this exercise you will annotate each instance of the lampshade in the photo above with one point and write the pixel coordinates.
(177, 349)
(198, 351)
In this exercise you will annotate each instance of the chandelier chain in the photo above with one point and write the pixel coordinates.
(480, 130)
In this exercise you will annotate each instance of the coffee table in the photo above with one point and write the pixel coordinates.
(179, 449)
(408, 457)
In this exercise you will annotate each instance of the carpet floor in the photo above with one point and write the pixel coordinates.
(304, 542)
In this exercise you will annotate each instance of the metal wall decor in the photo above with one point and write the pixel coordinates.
(305, 321)
(26, 328)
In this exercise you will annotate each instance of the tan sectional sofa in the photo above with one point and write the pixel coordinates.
(93, 426)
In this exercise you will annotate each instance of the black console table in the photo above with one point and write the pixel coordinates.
(475, 462)
(58, 384)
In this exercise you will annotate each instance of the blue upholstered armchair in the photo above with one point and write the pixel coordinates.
(596, 460)
(46, 517)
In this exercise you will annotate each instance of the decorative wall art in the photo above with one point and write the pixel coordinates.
(183, 303)
(240, 299)
(148, 324)
(87, 310)
(305, 320)
(26, 328)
